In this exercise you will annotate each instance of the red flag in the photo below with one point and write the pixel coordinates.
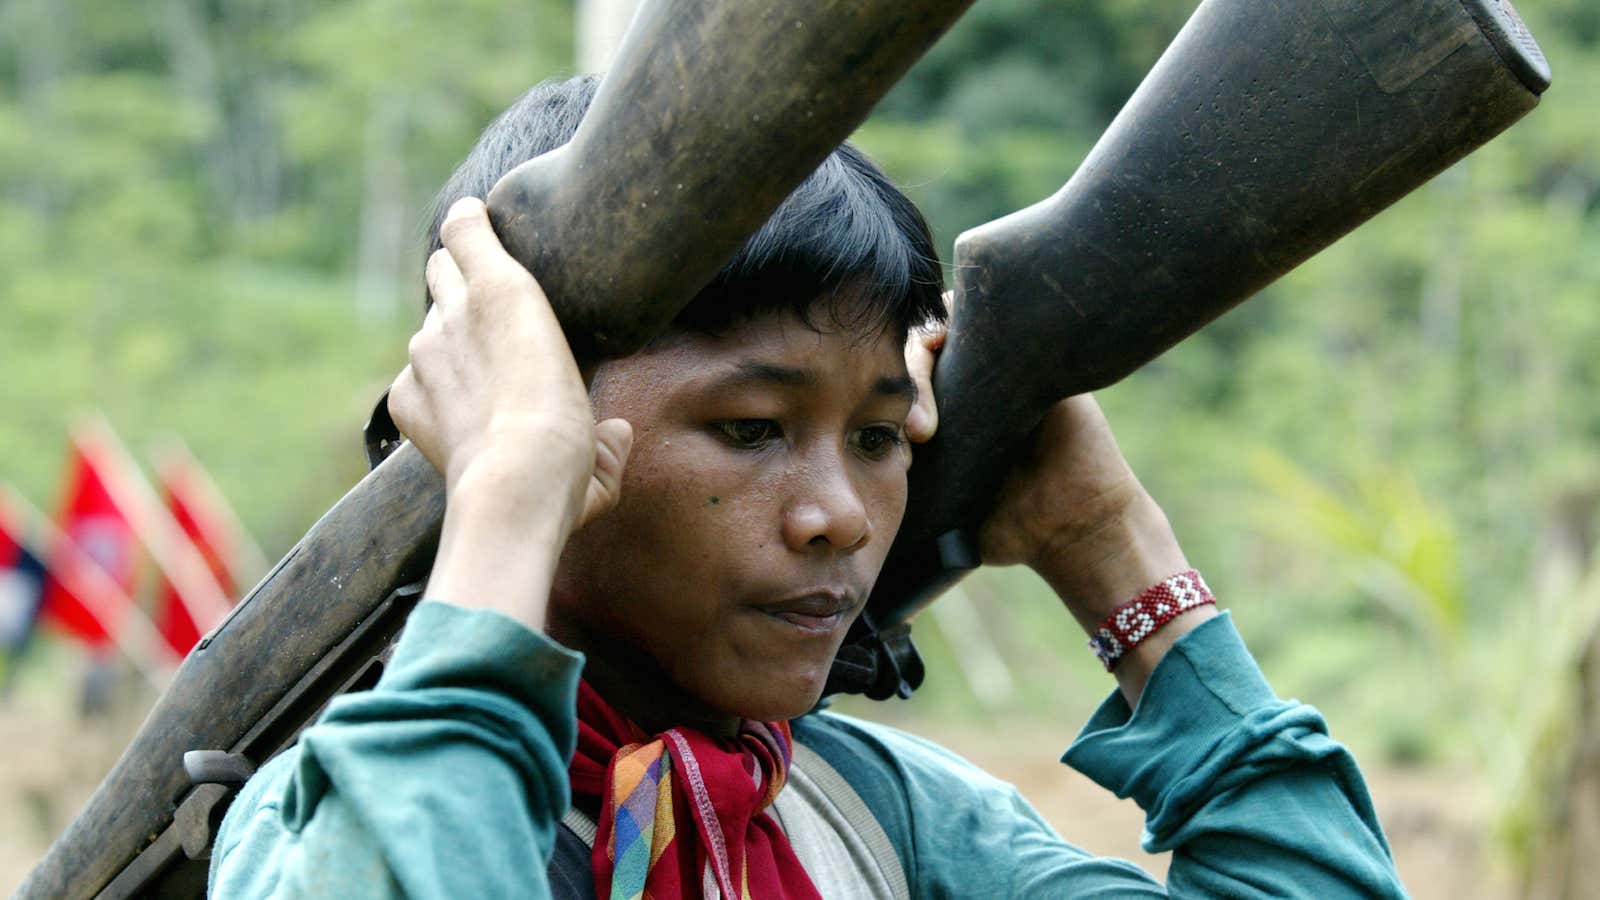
(95, 523)
(200, 510)
(79, 580)
(108, 490)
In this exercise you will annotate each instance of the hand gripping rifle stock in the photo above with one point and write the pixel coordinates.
(1266, 131)
(711, 115)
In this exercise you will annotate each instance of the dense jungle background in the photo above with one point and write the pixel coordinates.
(1388, 464)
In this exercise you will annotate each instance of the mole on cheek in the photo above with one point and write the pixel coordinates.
(715, 501)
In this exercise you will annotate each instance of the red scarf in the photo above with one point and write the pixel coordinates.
(681, 811)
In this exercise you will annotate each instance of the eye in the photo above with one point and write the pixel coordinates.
(878, 441)
(749, 433)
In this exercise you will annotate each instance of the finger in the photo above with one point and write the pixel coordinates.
(446, 286)
(403, 399)
(922, 351)
(613, 441)
(426, 341)
(472, 243)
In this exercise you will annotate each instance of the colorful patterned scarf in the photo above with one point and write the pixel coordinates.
(682, 814)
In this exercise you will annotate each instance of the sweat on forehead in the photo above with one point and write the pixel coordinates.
(845, 236)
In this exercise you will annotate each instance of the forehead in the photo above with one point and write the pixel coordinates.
(778, 350)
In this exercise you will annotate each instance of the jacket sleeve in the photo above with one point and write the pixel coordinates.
(1248, 791)
(447, 779)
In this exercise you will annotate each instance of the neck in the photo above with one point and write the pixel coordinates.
(638, 687)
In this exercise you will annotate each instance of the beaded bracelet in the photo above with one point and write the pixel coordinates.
(1139, 618)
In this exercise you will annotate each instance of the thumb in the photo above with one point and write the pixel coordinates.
(922, 352)
(613, 441)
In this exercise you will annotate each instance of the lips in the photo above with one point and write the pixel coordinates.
(815, 612)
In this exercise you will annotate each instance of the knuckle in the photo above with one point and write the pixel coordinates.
(455, 226)
(402, 399)
(417, 347)
(465, 207)
(497, 289)
(436, 262)
(503, 275)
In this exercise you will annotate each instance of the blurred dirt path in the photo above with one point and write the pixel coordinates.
(50, 761)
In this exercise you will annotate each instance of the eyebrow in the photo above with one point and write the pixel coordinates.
(896, 386)
(753, 372)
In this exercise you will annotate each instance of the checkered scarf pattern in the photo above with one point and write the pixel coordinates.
(683, 814)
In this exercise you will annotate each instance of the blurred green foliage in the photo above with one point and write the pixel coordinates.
(211, 220)
(1388, 464)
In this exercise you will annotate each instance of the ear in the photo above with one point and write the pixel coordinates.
(613, 441)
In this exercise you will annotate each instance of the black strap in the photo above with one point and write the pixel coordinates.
(571, 873)
(380, 435)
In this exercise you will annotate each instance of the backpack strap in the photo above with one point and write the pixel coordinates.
(571, 872)
(856, 816)
(868, 773)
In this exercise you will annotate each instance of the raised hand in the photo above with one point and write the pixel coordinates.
(1071, 509)
(493, 398)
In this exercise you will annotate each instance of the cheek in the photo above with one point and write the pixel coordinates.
(691, 503)
(885, 494)
(683, 523)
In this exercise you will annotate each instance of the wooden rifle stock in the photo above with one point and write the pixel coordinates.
(712, 114)
(1267, 130)
(681, 158)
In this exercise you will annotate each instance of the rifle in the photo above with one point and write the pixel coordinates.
(1229, 166)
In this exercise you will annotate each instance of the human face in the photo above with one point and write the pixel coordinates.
(766, 483)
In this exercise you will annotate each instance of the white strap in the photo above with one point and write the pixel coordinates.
(581, 825)
(856, 814)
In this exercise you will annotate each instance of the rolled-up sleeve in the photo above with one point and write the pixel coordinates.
(447, 779)
(1250, 792)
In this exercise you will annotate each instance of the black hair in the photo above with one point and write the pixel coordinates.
(845, 234)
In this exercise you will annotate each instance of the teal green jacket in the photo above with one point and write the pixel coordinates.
(449, 779)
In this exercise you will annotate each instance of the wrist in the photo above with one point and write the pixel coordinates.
(1136, 666)
(1093, 573)
(514, 492)
(499, 549)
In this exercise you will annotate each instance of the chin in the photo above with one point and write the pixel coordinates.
(776, 697)
(779, 712)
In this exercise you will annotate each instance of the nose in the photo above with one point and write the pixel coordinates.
(825, 508)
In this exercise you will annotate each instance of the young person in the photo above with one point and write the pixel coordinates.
(629, 623)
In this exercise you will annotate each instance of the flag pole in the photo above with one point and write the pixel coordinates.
(246, 562)
(174, 554)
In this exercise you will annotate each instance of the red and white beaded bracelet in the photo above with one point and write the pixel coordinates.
(1139, 618)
